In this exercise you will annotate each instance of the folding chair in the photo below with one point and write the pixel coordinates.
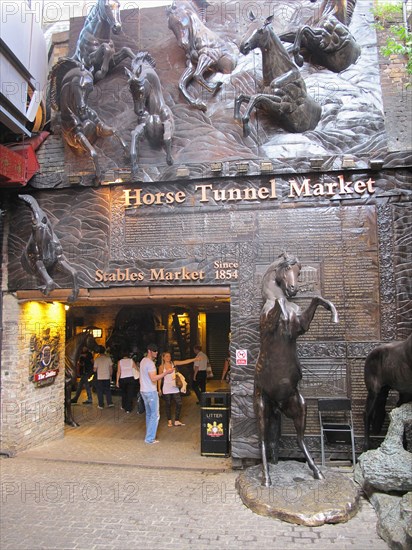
(336, 423)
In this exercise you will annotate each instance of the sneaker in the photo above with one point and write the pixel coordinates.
(152, 442)
(111, 405)
(178, 423)
(88, 402)
(99, 407)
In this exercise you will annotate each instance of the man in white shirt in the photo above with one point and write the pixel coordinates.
(148, 390)
(200, 371)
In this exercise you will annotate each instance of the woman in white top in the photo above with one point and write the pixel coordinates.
(170, 391)
(125, 380)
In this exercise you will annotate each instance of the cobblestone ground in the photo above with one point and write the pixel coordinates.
(67, 505)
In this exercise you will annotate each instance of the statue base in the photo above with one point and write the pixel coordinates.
(296, 497)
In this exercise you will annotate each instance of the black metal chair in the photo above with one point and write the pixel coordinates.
(336, 423)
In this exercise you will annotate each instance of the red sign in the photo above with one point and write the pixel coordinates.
(241, 357)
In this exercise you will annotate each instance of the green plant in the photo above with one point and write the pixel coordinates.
(399, 41)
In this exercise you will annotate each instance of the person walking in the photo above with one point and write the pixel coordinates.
(103, 367)
(199, 371)
(169, 390)
(85, 371)
(148, 391)
(126, 381)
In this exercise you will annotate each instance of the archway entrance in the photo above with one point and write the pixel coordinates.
(176, 318)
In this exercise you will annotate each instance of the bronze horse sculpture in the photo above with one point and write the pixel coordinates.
(94, 47)
(74, 347)
(43, 255)
(154, 117)
(278, 370)
(205, 50)
(284, 96)
(327, 38)
(389, 366)
(70, 87)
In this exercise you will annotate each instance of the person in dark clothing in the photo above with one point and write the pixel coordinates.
(85, 366)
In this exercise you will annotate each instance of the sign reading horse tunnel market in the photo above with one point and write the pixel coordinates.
(207, 192)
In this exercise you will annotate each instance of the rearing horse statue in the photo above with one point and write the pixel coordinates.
(284, 96)
(70, 86)
(278, 371)
(154, 117)
(205, 50)
(94, 47)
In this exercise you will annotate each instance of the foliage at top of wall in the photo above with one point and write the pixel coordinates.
(399, 42)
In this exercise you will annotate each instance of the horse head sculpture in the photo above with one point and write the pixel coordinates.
(278, 370)
(94, 46)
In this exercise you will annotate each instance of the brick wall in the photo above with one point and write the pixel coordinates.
(31, 415)
(397, 95)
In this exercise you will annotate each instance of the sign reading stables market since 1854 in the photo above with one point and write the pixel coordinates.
(218, 271)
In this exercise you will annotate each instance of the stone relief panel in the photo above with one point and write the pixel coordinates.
(351, 120)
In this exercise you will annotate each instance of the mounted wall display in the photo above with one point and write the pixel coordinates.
(44, 360)
(345, 115)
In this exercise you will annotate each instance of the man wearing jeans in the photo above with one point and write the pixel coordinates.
(148, 390)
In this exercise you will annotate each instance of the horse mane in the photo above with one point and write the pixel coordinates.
(143, 57)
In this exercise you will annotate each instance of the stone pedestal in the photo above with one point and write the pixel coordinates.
(296, 497)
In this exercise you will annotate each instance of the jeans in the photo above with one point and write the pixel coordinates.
(151, 402)
(84, 381)
(103, 388)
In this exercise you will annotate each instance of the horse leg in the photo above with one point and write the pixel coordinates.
(167, 138)
(204, 63)
(307, 315)
(183, 83)
(238, 102)
(260, 406)
(121, 55)
(273, 427)
(92, 151)
(103, 57)
(272, 101)
(65, 267)
(295, 409)
(43, 274)
(136, 135)
(68, 412)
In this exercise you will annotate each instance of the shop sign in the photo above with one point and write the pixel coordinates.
(44, 359)
(208, 192)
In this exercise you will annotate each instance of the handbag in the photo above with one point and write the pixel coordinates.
(209, 372)
(140, 404)
(178, 380)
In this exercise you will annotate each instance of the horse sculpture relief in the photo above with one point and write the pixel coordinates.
(326, 38)
(278, 371)
(283, 97)
(205, 50)
(94, 47)
(70, 87)
(43, 255)
(73, 349)
(154, 118)
(389, 366)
